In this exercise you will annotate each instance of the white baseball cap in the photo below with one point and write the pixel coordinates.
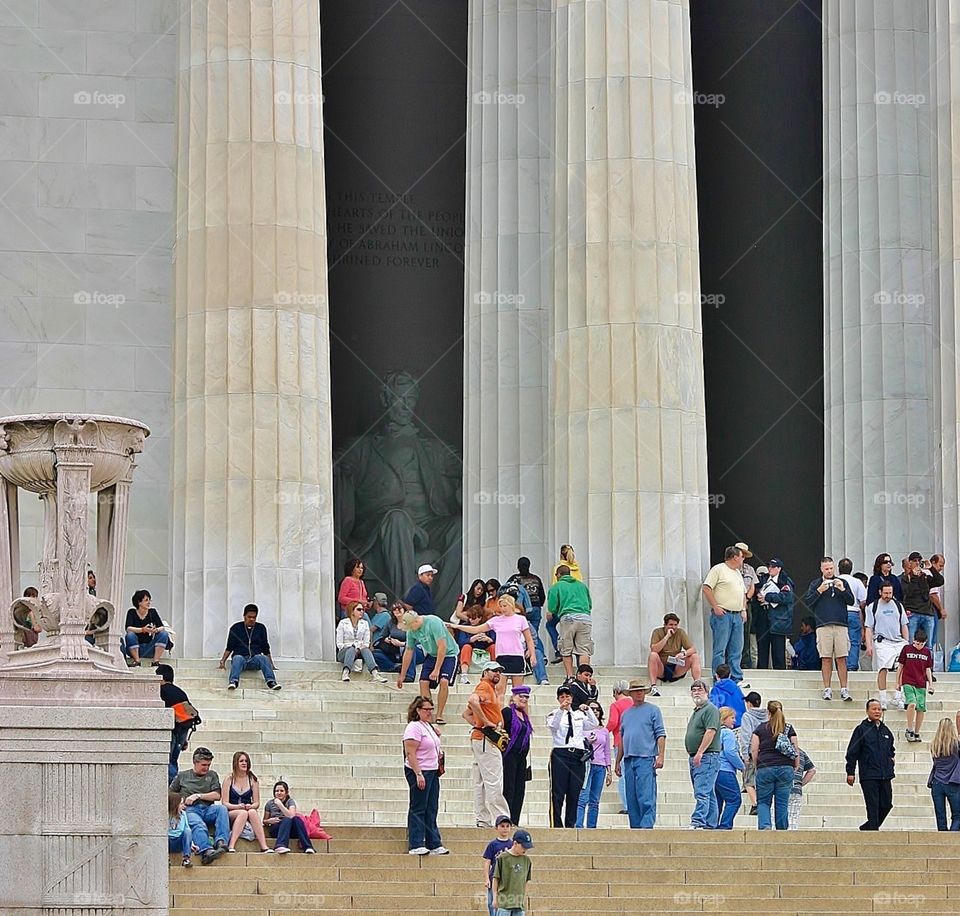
(425, 569)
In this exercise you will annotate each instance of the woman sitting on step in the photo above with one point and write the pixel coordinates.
(282, 820)
(241, 794)
(353, 644)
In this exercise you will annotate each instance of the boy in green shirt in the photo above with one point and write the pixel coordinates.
(511, 874)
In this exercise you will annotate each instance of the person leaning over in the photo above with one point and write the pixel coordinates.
(440, 656)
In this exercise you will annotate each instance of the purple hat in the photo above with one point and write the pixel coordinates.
(522, 690)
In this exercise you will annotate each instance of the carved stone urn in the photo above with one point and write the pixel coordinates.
(63, 458)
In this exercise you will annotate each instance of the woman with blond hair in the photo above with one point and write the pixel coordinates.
(944, 781)
(353, 644)
(727, 788)
(775, 753)
(515, 645)
(241, 791)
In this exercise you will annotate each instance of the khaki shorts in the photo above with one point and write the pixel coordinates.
(575, 637)
(750, 774)
(833, 641)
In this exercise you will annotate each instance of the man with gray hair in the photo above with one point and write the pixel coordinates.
(439, 665)
(621, 703)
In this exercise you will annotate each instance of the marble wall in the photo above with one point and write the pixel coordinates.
(87, 146)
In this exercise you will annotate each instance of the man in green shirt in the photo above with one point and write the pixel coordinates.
(200, 788)
(702, 742)
(511, 873)
(440, 664)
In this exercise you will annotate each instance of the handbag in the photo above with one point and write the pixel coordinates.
(441, 763)
(785, 746)
(528, 773)
(496, 736)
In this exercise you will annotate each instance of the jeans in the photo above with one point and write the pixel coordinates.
(540, 668)
(292, 826)
(554, 634)
(177, 738)
(387, 663)
(348, 655)
(589, 802)
(640, 777)
(622, 789)
(422, 827)
(704, 779)
(512, 911)
(918, 621)
(181, 844)
(942, 793)
(200, 816)
(855, 632)
(773, 788)
(145, 649)
(728, 799)
(257, 662)
(727, 642)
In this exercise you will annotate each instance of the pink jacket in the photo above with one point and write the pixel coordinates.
(351, 590)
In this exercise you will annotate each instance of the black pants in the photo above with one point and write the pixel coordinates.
(878, 796)
(567, 770)
(771, 647)
(515, 783)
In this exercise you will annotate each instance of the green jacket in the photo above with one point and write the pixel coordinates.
(568, 596)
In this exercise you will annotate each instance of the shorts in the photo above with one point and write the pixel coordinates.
(447, 669)
(915, 695)
(833, 641)
(513, 664)
(750, 775)
(670, 673)
(576, 637)
(887, 652)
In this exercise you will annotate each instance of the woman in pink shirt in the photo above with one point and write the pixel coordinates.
(600, 741)
(621, 703)
(514, 641)
(352, 588)
(421, 766)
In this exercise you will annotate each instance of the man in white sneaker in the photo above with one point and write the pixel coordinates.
(887, 634)
(828, 599)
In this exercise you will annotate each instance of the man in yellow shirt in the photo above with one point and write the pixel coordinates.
(725, 593)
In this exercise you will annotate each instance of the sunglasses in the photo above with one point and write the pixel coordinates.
(426, 709)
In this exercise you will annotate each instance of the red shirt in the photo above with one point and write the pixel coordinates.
(352, 590)
(614, 716)
(915, 663)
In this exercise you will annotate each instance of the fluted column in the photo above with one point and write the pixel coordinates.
(508, 286)
(879, 326)
(252, 452)
(630, 470)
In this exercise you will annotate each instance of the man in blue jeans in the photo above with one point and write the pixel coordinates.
(249, 645)
(703, 744)
(640, 755)
(200, 790)
(725, 592)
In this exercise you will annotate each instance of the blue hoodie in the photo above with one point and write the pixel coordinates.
(726, 693)
(807, 657)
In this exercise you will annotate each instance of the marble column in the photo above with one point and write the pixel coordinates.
(629, 460)
(508, 286)
(879, 295)
(252, 474)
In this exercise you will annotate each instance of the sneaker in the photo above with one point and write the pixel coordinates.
(186, 863)
(623, 811)
(268, 851)
(883, 705)
(654, 692)
(232, 685)
(273, 685)
(916, 736)
(827, 693)
(753, 810)
(230, 849)
(221, 845)
(845, 695)
(464, 679)
(282, 850)
(543, 683)
(557, 661)
(345, 677)
(209, 855)
(419, 851)
(908, 734)
(899, 701)
(310, 851)
(378, 677)
(439, 851)
(358, 666)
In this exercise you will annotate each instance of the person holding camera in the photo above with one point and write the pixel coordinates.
(828, 599)
(568, 759)
(488, 740)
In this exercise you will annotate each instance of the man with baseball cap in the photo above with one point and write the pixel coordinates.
(429, 633)
(483, 712)
(200, 788)
(640, 753)
(420, 598)
(568, 759)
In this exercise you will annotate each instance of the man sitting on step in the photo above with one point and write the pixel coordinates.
(672, 654)
(200, 788)
(249, 645)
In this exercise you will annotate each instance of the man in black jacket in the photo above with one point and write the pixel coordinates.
(247, 642)
(917, 582)
(827, 598)
(872, 748)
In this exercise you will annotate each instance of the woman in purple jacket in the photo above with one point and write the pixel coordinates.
(600, 741)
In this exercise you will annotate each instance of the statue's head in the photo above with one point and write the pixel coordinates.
(399, 396)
